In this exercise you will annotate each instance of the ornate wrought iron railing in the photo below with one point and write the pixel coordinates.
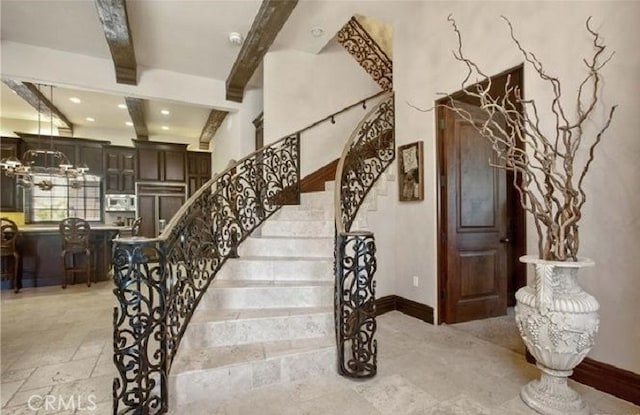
(159, 282)
(359, 43)
(369, 151)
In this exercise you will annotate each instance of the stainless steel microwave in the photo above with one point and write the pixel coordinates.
(120, 203)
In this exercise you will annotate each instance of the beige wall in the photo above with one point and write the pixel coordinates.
(236, 136)
(423, 67)
(301, 88)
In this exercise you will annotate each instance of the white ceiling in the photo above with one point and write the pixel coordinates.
(184, 36)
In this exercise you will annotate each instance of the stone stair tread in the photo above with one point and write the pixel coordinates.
(284, 258)
(290, 237)
(220, 283)
(310, 211)
(203, 359)
(202, 316)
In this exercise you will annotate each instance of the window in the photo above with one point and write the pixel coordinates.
(67, 198)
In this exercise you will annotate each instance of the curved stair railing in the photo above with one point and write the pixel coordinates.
(369, 151)
(159, 282)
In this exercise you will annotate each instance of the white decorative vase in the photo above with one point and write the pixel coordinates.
(558, 322)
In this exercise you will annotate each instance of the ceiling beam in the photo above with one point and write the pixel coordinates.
(216, 117)
(267, 24)
(115, 23)
(135, 106)
(32, 95)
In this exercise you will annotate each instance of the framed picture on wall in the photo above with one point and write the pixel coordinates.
(411, 172)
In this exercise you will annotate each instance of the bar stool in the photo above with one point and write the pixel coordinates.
(9, 234)
(75, 240)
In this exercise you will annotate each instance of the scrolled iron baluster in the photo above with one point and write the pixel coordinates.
(355, 305)
(139, 321)
(159, 283)
(369, 151)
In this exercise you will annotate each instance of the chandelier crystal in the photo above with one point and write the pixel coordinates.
(39, 167)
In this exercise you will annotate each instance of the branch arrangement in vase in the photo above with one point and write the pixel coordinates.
(548, 173)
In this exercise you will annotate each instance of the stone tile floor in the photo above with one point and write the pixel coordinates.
(56, 345)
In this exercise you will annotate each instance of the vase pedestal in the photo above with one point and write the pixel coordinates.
(558, 322)
(551, 395)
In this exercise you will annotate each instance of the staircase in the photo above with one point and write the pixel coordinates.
(268, 316)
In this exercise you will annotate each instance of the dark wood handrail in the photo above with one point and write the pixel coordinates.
(328, 117)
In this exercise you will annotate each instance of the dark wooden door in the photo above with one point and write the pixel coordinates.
(475, 228)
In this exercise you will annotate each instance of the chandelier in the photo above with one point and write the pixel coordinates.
(41, 167)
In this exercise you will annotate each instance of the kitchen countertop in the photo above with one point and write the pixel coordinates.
(55, 228)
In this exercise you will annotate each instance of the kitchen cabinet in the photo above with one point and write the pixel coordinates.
(77, 150)
(40, 248)
(9, 200)
(198, 170)
(156, 202)
(119, 170)
(161, 162)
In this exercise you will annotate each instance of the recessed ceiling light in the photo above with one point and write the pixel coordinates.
(90, 119)
(122, 106)
(235, 38)
(317, 32)
(165, 112)
(75, 100)
(164, 127)
(129, 123)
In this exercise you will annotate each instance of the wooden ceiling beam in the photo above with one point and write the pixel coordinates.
(267, 24)
(216, 117)
(115, 23)
(32, 95)
(135, 106)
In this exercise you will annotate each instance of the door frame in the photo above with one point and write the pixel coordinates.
(516, 277)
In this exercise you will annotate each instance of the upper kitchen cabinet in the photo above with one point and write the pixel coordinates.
(161, 162)
(119, 170)
(8, 195)
(198, 170)
(77, 150)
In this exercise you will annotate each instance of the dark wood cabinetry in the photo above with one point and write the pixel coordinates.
(77, 150)
(161, 183)
(161, 162)
(198, 170)
(119, 170)
(158, 202)
(41, 263)
(8, 193)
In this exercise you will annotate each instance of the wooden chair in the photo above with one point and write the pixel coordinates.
(9, 235)
(75, 234)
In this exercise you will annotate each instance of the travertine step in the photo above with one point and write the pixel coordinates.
(317, 200)
(299, 228)
(301, 214)
(281, 269)
(280, 246)
(219, 372)
(210, 328)
(268, 315)
(235, 294)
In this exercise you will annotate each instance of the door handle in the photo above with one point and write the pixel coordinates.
(505, 240)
